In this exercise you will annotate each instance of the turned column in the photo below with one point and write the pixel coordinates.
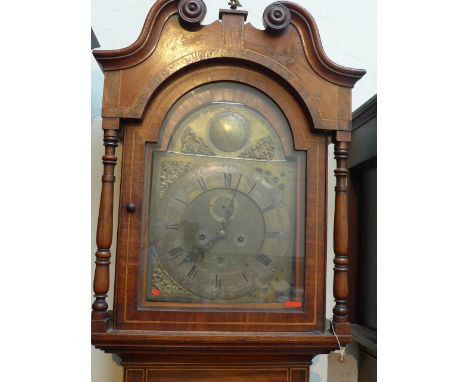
(340, 235)
(105, 223)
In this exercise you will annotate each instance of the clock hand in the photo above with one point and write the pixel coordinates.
(210, 244)
(200, 250)
(229, 210)
(194, 253)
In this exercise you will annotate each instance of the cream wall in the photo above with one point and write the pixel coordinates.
(348, 33)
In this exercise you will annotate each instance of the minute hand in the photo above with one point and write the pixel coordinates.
(229, 210)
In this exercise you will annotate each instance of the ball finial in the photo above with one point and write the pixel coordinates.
(276, 18)
(192, 12)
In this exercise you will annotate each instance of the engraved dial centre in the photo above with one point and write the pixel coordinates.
(210, 212)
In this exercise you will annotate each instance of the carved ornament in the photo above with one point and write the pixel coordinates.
(193, 144)
(263, 149)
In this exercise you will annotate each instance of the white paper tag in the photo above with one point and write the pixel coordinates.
(342, 369)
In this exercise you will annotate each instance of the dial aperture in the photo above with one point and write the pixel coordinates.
(223, 228)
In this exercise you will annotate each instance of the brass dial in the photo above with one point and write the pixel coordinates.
(223, 230)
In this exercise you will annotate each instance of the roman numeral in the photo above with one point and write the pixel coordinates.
(251, 189)
(266, 209)
(176, 252)
(227, 180)
(192, 273)
(273, 235)
(202, 184)
(264, 259)
(218, 281)
(172, 226)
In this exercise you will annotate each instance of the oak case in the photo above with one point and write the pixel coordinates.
(173, 56)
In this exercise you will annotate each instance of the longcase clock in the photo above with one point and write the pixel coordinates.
(221, 245)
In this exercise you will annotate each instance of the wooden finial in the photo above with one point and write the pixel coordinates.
(192, 12)
(276, 18)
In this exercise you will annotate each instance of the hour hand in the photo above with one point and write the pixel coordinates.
(200, 250)
(196, 252)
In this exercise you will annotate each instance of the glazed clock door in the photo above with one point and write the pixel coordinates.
(222, 206)
(224, 213)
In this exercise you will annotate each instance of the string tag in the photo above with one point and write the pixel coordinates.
(342, 371)
(342, 348)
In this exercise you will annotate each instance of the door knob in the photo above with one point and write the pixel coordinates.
(131, 207)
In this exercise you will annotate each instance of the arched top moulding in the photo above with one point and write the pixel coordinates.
(173, 39)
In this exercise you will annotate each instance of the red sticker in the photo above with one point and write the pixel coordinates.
(155, 292)
(293, 304)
